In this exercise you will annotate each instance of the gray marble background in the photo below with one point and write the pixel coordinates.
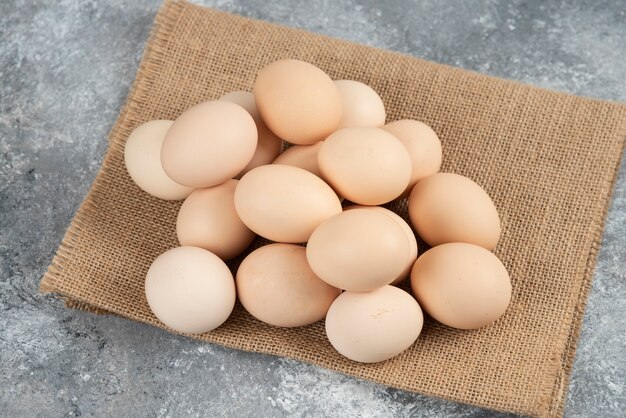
(65, 70)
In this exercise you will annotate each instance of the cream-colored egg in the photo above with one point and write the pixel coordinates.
(409, 234)
(368, 166)
(190, 290)
(142, 156)
(361, 106)
(423, 146)
(208, 219)
(303, 156)
(369, 327)
(268, 145)
(276, 285)
(447, 207)
(208, 144)
(358, 250)
(298, 101)
(244, 99)
(284, 203)
(461, 285)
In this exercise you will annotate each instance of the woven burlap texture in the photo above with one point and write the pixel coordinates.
(547, 159)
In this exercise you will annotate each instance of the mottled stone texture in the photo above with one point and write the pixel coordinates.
(65, 70)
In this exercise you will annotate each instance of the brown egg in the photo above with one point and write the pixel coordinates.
(208, 144)
(361, 106)
(297, 101)
(369, 327)
(303, 156)
(276, 285)
(207, 219)
(409, 234)
(284, 203)
(368, 166)
(461, 285)
(423, 146)
(447, 207)
(142, 156)
(190, 290)
(358, 250)
(268, 145)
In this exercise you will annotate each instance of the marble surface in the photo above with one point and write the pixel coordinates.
(65, 70)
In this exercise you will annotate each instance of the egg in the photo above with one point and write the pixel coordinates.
(447, 207)
(461, 285)
(142, 156)
(268, 145)
(303, 156)
(298, 101)
(190, 290)
(276, 285)
(375, 326)
(284, 203)
(409, 234)
(368, 166)
(361, 106)
(208, 144)
(358, 250)
(208, 219)
(423, 145)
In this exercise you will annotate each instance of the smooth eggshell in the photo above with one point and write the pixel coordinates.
(298, 101)
(361, 106)
(276, 285)
(190, 290)
(423, 145)
(142, 156)
(208, 144)
(461, 285)
(358, 250)
(447, 207)
(303, 156)
(244, 99)
(369, 327)
(284, 203)
(409, 234)
(268, 145)
(208, 219)
(368, 166)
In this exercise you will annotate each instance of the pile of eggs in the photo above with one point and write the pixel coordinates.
(328, 260)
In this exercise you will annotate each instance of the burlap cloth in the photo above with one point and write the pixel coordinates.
(547, 159)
